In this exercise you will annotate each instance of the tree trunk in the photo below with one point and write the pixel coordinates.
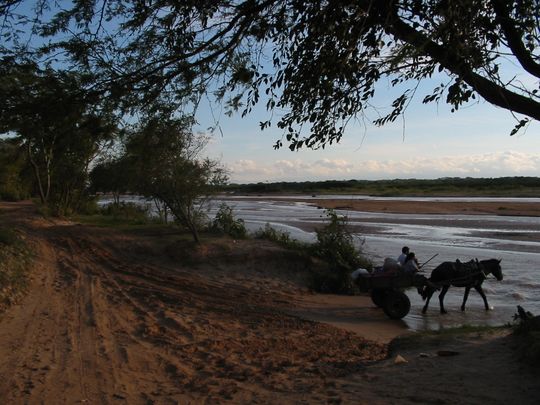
(42, 195)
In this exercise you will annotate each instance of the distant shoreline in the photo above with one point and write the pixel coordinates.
(502, 208)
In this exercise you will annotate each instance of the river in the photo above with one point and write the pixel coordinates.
(515, 240)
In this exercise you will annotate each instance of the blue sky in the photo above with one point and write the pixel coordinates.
(429, 142)
(435, 143)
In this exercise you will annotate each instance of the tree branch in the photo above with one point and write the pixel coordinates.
(514, 38)
(490, 91)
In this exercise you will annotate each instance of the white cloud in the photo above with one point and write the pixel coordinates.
(488, 165)
(496, 164)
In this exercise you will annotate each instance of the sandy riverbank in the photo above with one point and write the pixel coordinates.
(146, 317)
(424, 207)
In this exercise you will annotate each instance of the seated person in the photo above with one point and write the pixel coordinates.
(411, 264)
(403, 256)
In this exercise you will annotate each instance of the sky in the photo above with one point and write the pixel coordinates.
(429, 142)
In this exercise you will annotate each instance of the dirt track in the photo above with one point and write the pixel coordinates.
(114, 318)
(107, 321)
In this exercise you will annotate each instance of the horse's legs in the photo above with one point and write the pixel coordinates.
(481, 292)
(465, 296)
(441, 298)
(429, 294)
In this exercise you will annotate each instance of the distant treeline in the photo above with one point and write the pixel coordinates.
(448, 186)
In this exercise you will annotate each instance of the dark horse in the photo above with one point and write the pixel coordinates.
(469, 275)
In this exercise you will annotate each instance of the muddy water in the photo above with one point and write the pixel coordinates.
(515, 240)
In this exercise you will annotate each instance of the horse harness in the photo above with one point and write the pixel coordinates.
(469, 270)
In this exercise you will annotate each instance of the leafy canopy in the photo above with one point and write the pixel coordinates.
(58, 126)
(162, 160)
(322, 62)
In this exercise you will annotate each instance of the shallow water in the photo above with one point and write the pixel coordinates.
(515, 240)
(464, 237)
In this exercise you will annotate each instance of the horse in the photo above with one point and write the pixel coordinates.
(469, 275)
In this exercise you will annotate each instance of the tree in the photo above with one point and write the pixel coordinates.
(61, 129)
(162, 159)
(112, 176)
(321, 61)
(15, 179)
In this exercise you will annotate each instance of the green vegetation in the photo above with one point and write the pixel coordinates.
(57, 131)
(225, 223)
(334, 246)
(527, 330)
(454, 186)
(15, 178)
(282, 238)
(313, 65)
(14, 264)
(161, 159)
(130, 213)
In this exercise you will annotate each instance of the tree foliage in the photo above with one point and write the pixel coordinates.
(226, 223)
(162, 160)
(322, 62)
(15, 178)
(60, 129)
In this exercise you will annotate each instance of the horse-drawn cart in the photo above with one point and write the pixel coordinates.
(386, 290)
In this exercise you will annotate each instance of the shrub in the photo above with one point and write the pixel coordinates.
(335, 245)
(225, 222)
(280, 237)
(128, 211)
(88, 206)
(528, 329)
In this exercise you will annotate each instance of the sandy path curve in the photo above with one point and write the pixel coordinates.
(112, 319)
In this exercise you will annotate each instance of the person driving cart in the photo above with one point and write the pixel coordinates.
(411, 263)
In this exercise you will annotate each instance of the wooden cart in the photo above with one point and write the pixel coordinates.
(386, 290)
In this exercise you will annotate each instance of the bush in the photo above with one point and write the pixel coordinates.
(528, 329)
(127, 211)
(225, 222)
(280, 237)
(88, 206)
(335, 245)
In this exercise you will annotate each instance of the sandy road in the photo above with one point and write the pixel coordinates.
(110, 320)
(116, 318)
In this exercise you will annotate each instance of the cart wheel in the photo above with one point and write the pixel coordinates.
(378, 296)
(396, 305)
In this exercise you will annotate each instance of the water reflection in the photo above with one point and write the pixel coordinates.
(512, 239)
(379, 235)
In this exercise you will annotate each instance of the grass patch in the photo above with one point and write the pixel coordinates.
(124, 215)
(8, 237)
(109, 221)
(15, 259)
(281, 238)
